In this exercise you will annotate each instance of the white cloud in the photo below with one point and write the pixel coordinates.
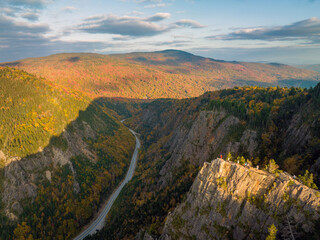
(69, 9)
(189, 23)
(27, 3)
(123, 25)
(158, 17)
(30, 16)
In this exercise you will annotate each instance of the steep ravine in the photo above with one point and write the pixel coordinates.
(230, 201)
(98, 223)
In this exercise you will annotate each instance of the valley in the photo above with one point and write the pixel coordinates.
(64, 150)
(98, 223)
(159, 120)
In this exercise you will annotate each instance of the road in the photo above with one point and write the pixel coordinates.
(99, 221)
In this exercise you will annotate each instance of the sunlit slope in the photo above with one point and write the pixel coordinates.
(169, 73)
(32, 111)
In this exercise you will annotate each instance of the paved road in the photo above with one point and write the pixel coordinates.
(99, 222)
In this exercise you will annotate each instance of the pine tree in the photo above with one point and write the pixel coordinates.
(272, 232)
(307, 179)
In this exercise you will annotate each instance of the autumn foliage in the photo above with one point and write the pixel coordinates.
(166, 74)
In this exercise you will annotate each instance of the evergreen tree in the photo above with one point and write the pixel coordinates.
(272, 232)
(307, 179)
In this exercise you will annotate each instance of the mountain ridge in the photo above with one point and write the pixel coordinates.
(162, 74)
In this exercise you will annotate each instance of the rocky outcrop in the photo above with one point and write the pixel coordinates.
(230, 201)
(200, 142)
(297, 135)
(209, 136)
(21, 176)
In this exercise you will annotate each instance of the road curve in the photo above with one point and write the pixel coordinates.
(99, 221)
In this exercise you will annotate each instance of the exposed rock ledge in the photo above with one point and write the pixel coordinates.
(228, 201)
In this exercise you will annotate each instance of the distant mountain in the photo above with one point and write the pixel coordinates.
(313, 67)
(164, 74)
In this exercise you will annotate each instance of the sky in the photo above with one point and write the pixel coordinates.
(284, 31)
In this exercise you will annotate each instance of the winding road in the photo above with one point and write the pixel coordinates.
(99, 221)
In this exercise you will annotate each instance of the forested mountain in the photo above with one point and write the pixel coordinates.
(61, 155)
(165, 74)
(178, 136)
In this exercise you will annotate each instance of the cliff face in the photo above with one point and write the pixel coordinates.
(205, 139)
(21, 176)
(188, 132)
(228, 201)
(192, 137)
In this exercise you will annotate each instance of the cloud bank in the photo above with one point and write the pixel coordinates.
(124, 25)
(308, 30)
(27, 3)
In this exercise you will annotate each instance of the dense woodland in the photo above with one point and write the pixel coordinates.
(145, 205)
(31, 111)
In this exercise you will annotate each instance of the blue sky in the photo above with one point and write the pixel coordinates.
(286, 31)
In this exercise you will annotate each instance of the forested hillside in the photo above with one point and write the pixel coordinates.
(165, 74)
(61, 156)
(32, 111)
(178, 136)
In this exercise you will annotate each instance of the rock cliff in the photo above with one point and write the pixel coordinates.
(205, 135)
(22, 175)
(230, 201)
